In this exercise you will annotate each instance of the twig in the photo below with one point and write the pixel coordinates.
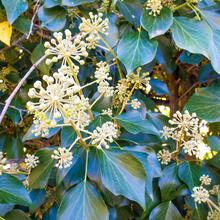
(194, 85)
(8, 101)
(36, 8)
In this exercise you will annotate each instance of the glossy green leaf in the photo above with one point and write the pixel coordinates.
(99, 121)
(165, 211)
(40, 174)
(12, 191)
(22, 24)
(51, 3)
(191, 35)
(215, 50)
(37, 53)
(53, 19)
(83, 202)
(72, 3)
(14, 8)
(169, 182)
(215, 161)
(157, 25)
(127, 175)
(68, 136)
(16, 214)
(214, 143)
(159, 87)
(131, 10)
(190, 173)
(133, 123)
(136, 49)
(206, 104)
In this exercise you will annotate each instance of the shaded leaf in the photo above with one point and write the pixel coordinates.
(16, 214)
(214, 143)
(159, 87)
(68, 136)
(72, 3)
(51, 3)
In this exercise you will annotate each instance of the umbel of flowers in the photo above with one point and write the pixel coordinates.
(60, 97)
(185, 131)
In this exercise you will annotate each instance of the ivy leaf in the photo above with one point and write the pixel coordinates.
(215, 161)
(68, 136)
(72, 3)
(133, 123)
(14, 9)
(157, 25)
(6, 32)
(136, 49)
(191, 35)
(123, 174)
(206, 104)
(88, 204)
(53, 19)
(159, 87)
(16, 214)
(190, 174)
(214, 143)
(12, 191)
(165, 211)
(37, 53)
(40, 174)
(215, 50)
(51, 3)
(22, 24)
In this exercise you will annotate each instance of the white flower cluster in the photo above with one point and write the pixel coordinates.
(135, 104)
(2, 162)
(155, 6)
(186, 131)
(213, 215)
(102, 135)
(66, 48)
(205, 180)
(164, 156)
(92, 27)
(200, 194)
(107, 112)
(31, 161)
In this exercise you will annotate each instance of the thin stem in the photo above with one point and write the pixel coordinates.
(86, 167)
(87, 132)
(105, 48)
(82, 142)
(73, 143)
(193, 8)
(89, 84)
(112, 52)
(213, 204)
(180, 6)
(210, 207)
(77, 82)
(99, 97)
(126, 100)
(125, 139)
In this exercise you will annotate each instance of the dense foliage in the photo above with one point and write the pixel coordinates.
(109, 109)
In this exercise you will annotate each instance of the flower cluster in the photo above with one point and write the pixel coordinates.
(135, 104)
(154, 6)
(164, 156)
(2, 162)
(185, 131)
(92, 27)
(213, 215)
(200, 194)
(66, 48)
(102, 135)
(31, 161)
(64, 157)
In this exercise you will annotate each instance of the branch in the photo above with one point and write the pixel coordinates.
(8, 101)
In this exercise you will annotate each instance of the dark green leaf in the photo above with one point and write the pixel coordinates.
(191, 35)
(68, 136)
(22, 24)
(99, 121)
(157, 25)
(51, 3)
(165, 211)
(169, 182)
(88, 204)
(190, 173)
(38, 52)
(14, 9)
(214, 143)
(206, 104)
(72, 3)
(133, 123)
(53, 19)
(40, 175)
(136, 49)
(206, 73)
(127, 175)
(16, 214)
(12, 191)
(215, 161)
(132, 10)
(159, 87)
